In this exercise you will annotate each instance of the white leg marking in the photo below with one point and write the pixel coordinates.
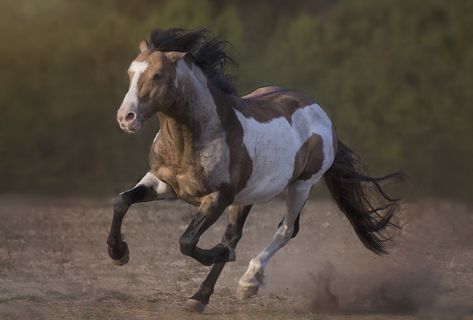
(163, 190)
(297, 194)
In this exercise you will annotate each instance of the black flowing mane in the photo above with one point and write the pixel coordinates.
(207, 51)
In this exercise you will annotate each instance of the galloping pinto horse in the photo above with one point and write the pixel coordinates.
(217, 150)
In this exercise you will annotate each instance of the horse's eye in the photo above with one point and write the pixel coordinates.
(157, 76)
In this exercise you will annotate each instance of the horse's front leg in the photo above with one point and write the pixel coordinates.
(236, 219)
(210, 209)
(149, 188)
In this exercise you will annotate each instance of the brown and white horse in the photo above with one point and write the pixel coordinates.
(217, 150)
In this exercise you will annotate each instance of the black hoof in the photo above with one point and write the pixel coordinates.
(194, 306)
(119, 253)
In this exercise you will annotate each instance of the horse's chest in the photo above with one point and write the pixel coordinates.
(193, 174)
(187, 184)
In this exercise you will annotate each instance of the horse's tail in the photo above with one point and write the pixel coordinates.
(351, 188)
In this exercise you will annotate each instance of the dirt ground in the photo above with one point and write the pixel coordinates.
(54, 264)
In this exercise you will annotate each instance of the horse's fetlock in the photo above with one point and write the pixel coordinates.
(112, 242)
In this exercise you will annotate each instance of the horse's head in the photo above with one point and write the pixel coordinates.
(152, 88)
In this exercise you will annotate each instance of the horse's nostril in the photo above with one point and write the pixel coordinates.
(130, 116)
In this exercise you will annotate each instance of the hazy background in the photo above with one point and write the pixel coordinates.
(396, 77)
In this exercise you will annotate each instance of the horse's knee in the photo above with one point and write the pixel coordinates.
(186, 245)
(120, 203)
(295, 227)
(285, 232)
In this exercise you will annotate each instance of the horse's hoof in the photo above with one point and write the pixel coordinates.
(244, 292)
(193, 305)
(123, 254)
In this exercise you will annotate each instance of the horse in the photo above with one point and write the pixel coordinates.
(217, 151)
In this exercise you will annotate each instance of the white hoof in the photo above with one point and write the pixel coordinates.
(193, 305)
(244, 292)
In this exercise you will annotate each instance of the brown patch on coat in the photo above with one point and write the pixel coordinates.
(268, 103)
(174, 160)
(241, 165)
(309, 158)
(263, 91)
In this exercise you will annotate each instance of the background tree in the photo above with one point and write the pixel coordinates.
(396, 77)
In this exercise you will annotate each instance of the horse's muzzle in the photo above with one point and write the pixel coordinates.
(128, 121)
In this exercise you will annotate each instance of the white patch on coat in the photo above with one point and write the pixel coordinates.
(136, 68)
(273, 146)
(213, 150)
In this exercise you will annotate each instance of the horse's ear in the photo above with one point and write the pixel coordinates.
(175, 56)
(144, 45)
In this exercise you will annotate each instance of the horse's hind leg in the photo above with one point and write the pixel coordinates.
(148, 189)
(236, 219)
(296, 225)
(297, 194)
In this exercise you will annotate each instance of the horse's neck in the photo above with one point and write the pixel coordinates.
(196, 117)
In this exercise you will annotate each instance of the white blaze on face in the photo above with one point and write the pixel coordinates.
(136, 69)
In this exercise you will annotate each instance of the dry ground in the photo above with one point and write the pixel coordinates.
(54, 264)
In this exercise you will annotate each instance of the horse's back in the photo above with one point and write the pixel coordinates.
(270, 102)
(259, 92)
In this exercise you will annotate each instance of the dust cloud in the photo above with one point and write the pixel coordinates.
(428, 273)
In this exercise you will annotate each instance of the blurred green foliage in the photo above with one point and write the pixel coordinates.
(396, 77)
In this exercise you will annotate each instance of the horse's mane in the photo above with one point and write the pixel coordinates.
(207, 51)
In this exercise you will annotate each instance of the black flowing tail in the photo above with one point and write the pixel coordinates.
(353, 191)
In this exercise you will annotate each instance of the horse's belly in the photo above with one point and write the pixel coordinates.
(268, 180)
